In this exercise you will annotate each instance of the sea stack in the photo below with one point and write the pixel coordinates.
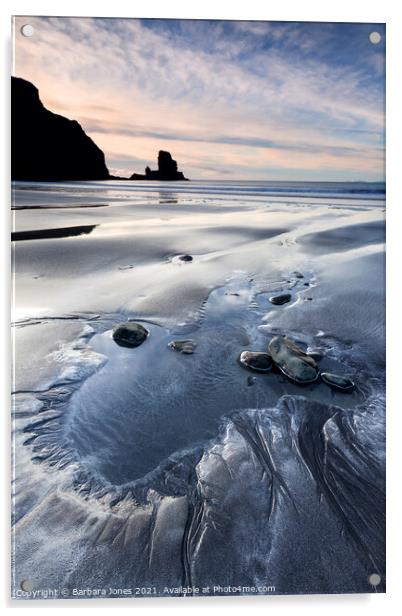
(167, 170)
(46, 146)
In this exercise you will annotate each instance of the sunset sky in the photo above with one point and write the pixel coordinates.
(229, 100)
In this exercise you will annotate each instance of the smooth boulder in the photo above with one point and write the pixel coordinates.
(292, 360)
(260, 362)
(338, 381)
(278, 300)
(130, 334)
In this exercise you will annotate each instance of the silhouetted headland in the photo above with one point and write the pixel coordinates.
(167, 170)
(48, 147)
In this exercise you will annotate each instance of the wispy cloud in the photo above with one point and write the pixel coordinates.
(263, 100)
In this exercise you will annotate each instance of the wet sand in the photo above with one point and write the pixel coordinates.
(149, 467)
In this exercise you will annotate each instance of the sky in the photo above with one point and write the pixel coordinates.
(229, 99)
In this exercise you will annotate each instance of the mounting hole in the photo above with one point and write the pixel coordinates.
(375, 38)
(27, 585)
(374, 579)
(27, 30)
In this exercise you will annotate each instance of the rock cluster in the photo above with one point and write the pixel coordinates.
(282, 354)
(294, 363)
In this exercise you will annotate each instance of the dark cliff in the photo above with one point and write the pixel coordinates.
(167, 170)
(46, 146)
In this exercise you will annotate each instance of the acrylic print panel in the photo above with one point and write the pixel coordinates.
(198, 260)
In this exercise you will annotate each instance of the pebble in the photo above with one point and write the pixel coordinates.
(278, 300)
(337, 381)
(129, 334)
(260, 362)
(183, 346)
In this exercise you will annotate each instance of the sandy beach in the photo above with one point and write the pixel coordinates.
(151, 468)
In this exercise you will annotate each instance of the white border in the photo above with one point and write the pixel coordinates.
(388, 11)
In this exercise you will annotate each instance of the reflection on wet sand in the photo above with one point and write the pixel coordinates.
(47, 234)
(57, 206)
(156, 465)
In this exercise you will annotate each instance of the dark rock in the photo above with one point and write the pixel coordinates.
(337, 381)
(298, 275)
(250, 381)
(183, 346)
(186, 258)
(135, 176)
(292, 360)
(167, 170)
(47, 234)
(167, 167)
(260, 362)
(278, 300)
(47, 146)
(130, 334)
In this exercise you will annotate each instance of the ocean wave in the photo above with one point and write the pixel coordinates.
(351, 190)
